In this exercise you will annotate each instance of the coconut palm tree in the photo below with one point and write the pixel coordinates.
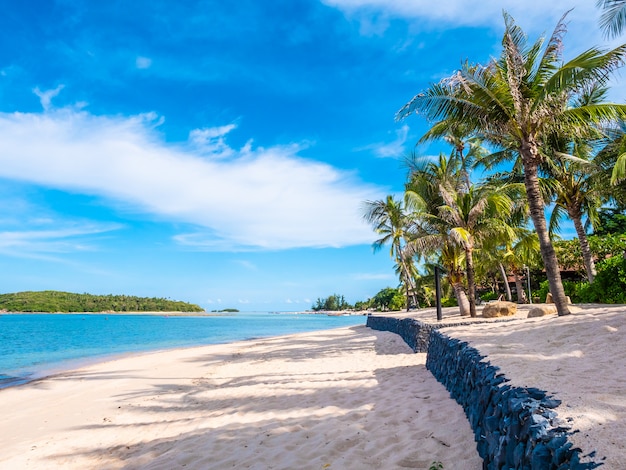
(429, 234)
(578, 194)
(447, 213)
(515, 101)
(390, 220)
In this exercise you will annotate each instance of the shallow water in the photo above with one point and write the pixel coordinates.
(36, 345)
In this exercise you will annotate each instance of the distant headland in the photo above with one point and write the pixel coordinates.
(65, 302)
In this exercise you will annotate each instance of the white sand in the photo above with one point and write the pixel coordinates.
(349, 398)
(579, 358)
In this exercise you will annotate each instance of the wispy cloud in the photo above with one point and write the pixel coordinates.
(267, 198)
(45, 97)
(392, 149)
(34, 243)
(468, 13)
(143, 62)
(534, 16)
(246, 264)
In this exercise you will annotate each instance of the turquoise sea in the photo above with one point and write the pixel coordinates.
(36, 345)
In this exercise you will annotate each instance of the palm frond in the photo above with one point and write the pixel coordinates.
(613, 18)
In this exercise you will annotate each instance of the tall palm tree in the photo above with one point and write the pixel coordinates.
(513, 102)
(578, 194)
(391, 221)
(578, 177)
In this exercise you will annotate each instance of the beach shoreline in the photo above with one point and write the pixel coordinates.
(349, 397)
(342, 398)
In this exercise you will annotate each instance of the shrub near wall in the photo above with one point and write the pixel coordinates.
(514, 427)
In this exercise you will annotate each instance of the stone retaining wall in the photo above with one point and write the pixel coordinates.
(514, 427)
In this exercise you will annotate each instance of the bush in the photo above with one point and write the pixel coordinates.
(609, 286)
(487, 296)
(389, 299)
(449, 302)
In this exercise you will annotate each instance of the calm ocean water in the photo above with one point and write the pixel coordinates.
(33, 346)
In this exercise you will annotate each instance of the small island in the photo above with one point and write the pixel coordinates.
(65, 302)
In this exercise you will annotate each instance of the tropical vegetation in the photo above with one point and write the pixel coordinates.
(55, 301)
(543, 132)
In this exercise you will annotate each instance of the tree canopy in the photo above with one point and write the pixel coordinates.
(55, 301)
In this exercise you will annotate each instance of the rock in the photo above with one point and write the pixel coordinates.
(542, 310)
(549, 299)
(499, 308)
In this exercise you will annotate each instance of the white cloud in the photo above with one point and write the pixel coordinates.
(62, 239)
(262, 198)
(246, 264)
(212, 141)
(535, 16)
(392, 149)
(45, 97)
(469, 12)
(143, 62)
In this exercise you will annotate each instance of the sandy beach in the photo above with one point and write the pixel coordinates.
(349, 398)
(579, 358)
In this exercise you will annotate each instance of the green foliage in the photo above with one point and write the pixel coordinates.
(449, 302)
(436, 466)
(389, 299)
(570, 256)
(611, 221)
(226, 310)
(362, 305)
(332, 303)
(54, 301)
(487, 296)
(576, 291)
(609, 286)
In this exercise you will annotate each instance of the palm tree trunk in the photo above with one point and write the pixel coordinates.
(519, 287)
(507, 288)
(407, 277)
(535, 202)
(590, 266)
(471, 287)
(461, 298)
(408, 299)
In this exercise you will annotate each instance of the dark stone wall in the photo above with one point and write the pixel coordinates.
(514, 427)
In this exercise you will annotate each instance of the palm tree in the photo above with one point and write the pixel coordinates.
(448, 213)
(429, 234)
(577, 194)
(613, 18)
(578, 178)
(390, 220)
(514, 102)
(472, 217)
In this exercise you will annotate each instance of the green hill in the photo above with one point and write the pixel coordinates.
(54, 301)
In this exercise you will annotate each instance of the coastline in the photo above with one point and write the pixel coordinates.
(343, 398)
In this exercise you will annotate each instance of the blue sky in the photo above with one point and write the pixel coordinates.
(220, 152)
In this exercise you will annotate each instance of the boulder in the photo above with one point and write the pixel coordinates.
(499, 308)
(541, 310)
(549, 299)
